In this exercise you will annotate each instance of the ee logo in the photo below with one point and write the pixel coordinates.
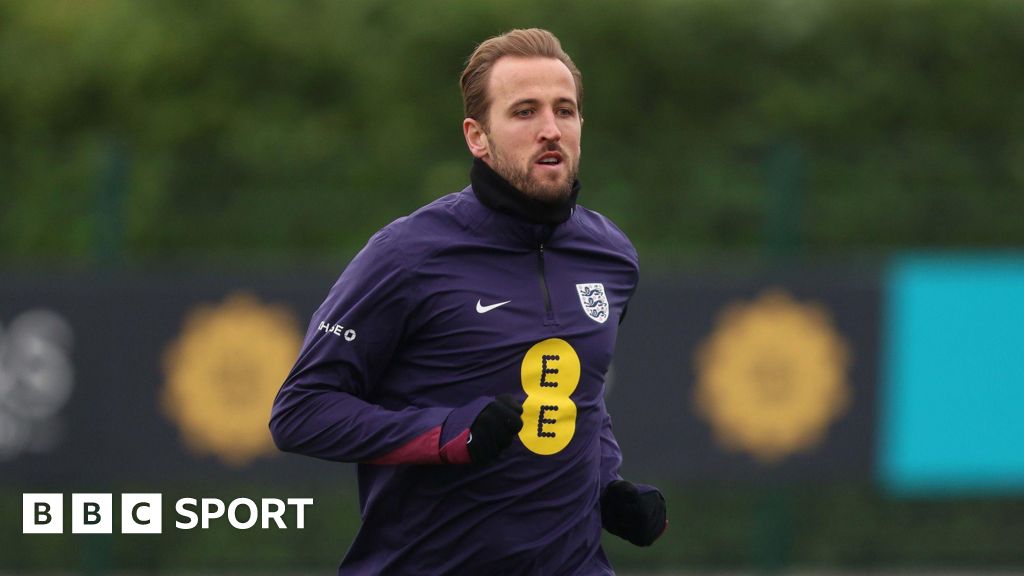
(550, 373)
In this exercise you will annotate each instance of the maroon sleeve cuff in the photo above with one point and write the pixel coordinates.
(457, 451)
(420, 450)
(455, 431)
(445, 444)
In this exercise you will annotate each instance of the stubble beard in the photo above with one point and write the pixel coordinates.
(519, 177)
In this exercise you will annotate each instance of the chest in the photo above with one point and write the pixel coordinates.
(489, 308)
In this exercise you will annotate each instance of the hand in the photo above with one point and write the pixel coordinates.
(494, 428)
(630, 515)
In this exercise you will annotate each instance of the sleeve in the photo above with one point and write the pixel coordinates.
(611, 455)
(322, 410)
(611, 462)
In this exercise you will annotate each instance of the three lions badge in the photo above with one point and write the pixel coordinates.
(594, 301)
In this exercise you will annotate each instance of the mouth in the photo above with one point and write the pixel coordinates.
(550, 159)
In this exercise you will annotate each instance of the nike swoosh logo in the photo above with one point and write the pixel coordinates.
(480, 308)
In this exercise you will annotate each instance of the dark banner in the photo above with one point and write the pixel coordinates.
(141, 378)
(150, 377)
(755, 376)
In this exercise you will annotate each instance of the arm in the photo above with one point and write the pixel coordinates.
(326, 422)
(611, 455)
(321, 409)
(634, 512)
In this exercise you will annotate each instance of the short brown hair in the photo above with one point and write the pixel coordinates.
(532, 42)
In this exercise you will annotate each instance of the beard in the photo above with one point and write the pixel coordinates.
(543, 191)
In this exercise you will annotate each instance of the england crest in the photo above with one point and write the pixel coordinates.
(594, 301)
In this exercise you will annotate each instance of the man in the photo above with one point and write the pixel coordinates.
(460, 358)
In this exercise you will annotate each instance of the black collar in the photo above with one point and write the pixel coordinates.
(497, 194)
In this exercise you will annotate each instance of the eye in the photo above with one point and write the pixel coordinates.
(566, 112)
(523, 113)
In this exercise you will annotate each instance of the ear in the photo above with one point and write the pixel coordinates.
(476, 138)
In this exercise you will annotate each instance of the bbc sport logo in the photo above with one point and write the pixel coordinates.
(93, 513)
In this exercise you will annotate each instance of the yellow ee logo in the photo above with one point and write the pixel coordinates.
(550, 373)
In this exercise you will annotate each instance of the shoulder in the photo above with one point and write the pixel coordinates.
(602, 232)
(410, 239)
(392, 255)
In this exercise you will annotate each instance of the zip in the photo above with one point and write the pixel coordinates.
(544, 281)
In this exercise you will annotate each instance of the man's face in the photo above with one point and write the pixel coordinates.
(533, 130)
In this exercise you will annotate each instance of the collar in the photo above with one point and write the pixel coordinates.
(496, 193)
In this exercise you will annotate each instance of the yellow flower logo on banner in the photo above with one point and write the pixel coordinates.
(223, 372)
(772, 376)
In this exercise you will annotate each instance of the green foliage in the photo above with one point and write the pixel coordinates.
(720, 527)
(275, 130)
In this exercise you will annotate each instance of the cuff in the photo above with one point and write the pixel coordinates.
(455, 431)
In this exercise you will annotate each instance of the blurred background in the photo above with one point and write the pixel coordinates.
(823, 367)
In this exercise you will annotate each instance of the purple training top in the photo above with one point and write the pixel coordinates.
(468, 298)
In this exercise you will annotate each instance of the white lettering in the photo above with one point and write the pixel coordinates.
(212, 508)
(275, 514)
(89, 513)
(183, 511)
(269, 510)
(300, 520)
(42, 513)
(233, 518)
(141, 514)
(337, 330)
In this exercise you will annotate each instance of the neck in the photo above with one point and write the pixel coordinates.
(499, 195)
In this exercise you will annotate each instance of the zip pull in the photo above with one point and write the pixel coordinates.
(544, 281)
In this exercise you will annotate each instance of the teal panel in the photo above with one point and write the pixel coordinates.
(952, 412)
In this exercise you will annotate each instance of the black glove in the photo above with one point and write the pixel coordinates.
(630, 515)
(494, 428)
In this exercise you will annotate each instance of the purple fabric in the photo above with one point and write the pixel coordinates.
(462, 418)
(421, 356)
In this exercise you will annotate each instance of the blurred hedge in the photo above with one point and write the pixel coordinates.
(262, 130)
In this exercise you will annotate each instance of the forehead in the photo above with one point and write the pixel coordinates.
(515, 78)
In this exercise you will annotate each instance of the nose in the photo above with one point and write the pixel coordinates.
(549, 130)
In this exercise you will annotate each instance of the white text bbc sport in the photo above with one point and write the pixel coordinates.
(93, 513)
